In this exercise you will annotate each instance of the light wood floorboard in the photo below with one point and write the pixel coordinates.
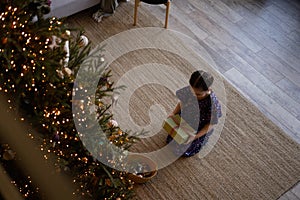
(256, 46)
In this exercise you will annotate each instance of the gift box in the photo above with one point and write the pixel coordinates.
(179, 129)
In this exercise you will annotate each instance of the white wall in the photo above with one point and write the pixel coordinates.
(64, 8)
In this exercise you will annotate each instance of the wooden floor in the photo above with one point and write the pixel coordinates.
(256, 46)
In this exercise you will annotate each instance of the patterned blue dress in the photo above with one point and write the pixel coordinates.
(197, 113)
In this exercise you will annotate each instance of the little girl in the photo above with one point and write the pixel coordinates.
(200, 108)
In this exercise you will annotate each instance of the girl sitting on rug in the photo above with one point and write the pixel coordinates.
(200, 108)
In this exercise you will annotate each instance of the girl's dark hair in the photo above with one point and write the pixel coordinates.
(201, 80)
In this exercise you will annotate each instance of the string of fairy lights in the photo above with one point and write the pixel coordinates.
(15, 23)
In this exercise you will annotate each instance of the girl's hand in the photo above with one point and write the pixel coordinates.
(171, 114)
(190, 139)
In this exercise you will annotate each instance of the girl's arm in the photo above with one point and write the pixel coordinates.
(176, 110)
(202, 132)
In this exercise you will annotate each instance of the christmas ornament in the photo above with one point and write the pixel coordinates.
(60, 73)
(67, 71)
(68, 33)
(67, 50)
(4, 40)
(54, 42)
(113, 123)
(9, 155)
(83, 41)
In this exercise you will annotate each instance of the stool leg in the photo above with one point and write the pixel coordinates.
(136, 5)
(167, 13)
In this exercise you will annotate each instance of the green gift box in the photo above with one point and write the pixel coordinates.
(178, 129)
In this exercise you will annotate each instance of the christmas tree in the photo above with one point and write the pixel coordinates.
(40, 58)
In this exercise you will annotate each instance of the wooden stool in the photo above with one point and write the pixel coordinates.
(153, 2)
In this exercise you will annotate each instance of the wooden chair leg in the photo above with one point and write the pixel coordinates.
(167, 13)
(136, 5)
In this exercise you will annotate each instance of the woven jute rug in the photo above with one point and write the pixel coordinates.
(247, 157)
